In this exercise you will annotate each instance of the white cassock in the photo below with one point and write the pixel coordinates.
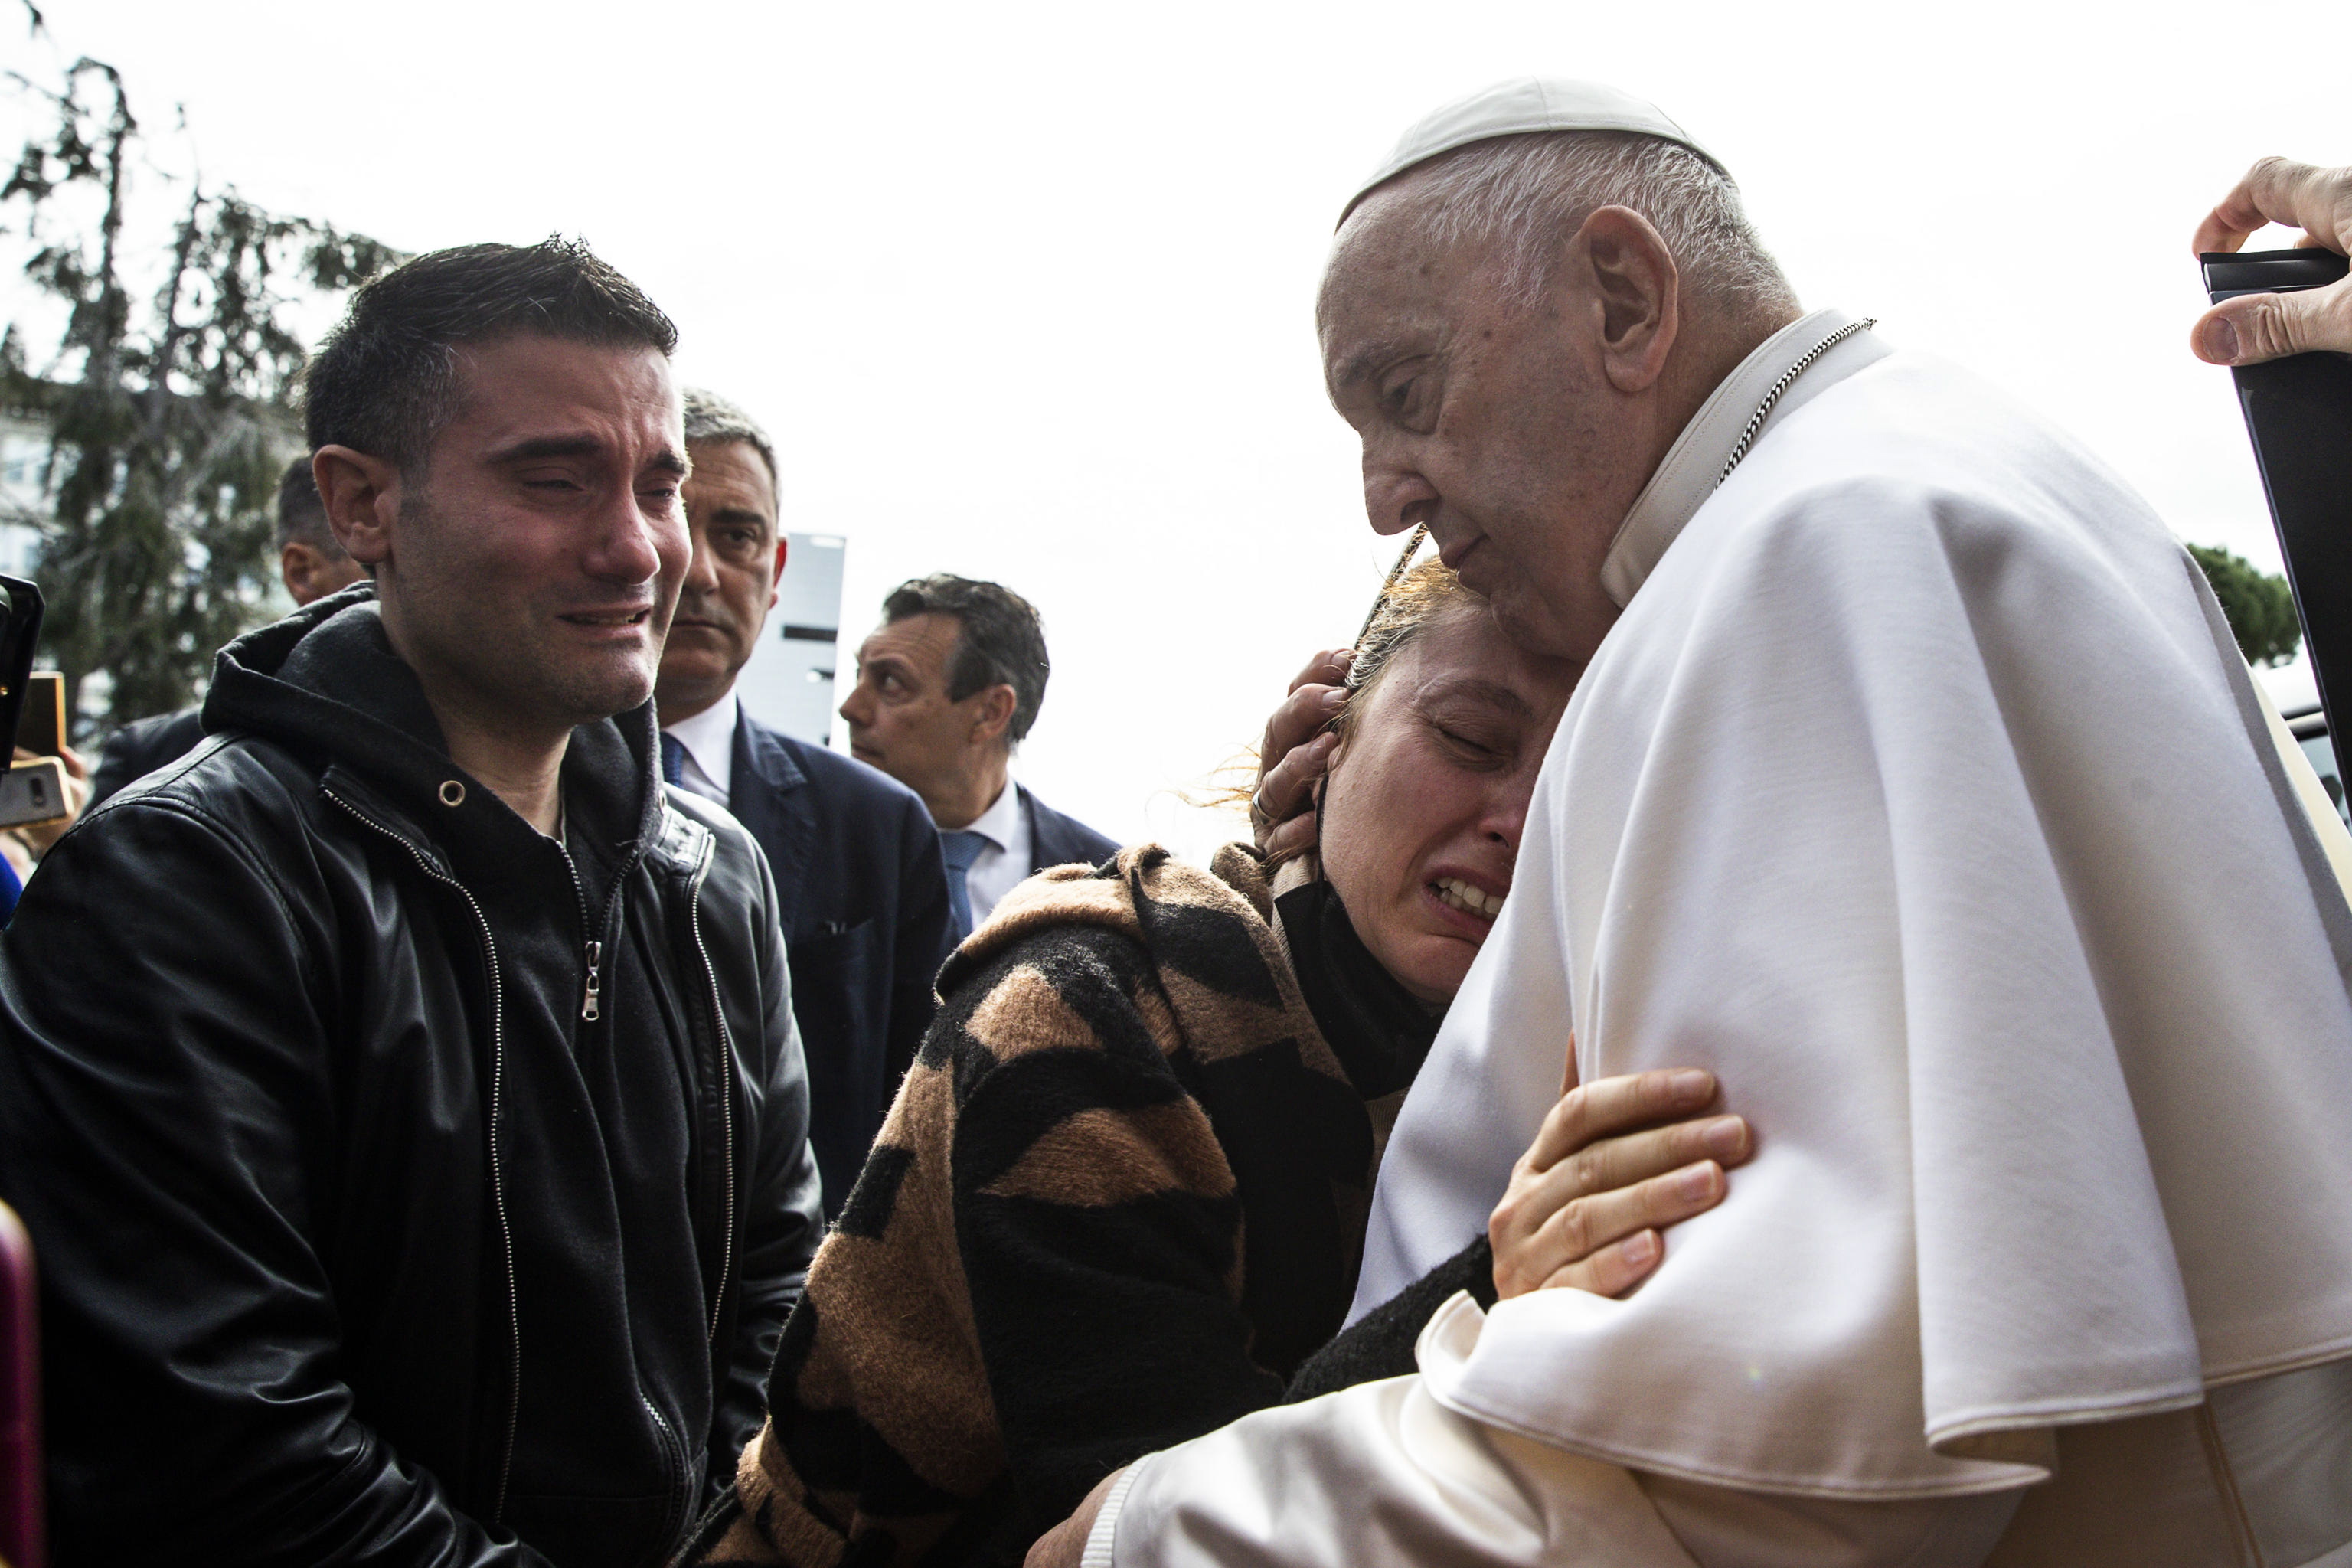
(1921, 794)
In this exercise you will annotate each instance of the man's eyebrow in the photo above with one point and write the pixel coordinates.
(742, 514)
(536, 446)
(667, 460)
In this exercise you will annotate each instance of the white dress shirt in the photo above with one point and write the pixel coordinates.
(1004, 864)
(708, 739)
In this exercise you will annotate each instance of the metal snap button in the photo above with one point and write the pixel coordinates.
(452, 793)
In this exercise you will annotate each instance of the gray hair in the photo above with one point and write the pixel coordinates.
(1533, 192)
(712, 419)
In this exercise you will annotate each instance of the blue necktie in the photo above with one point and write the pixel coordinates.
(959, 847)
(673, 759)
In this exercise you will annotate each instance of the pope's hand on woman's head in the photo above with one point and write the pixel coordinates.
(1615, 1163)
(2258, 327)
(1293, 753)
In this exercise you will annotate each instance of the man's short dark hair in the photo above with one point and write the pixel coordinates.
(302, 514)
(384, 381)
(712, 419)
(1002, 641)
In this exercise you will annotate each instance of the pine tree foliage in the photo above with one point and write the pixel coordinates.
(170, 414)
(2259, 607)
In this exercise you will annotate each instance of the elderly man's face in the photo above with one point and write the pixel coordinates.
(1493, 422)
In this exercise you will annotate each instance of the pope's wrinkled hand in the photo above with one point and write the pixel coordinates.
(2258, 327)
(1616, 1162)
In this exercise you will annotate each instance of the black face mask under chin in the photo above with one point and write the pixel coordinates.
(1380, 1031)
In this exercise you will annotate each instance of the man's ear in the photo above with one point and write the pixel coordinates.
(1636, 290)
(776, 582)
(993, 715)
(363, 496)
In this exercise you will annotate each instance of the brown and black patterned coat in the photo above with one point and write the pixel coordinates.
(1118, 1200)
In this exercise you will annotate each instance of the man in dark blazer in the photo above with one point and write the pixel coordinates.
(948, 684)
(859, 884)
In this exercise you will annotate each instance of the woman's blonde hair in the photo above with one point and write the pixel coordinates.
(1421, 596)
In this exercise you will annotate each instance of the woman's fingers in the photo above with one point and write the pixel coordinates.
(1611, 1105)
(1295, 752)
(1287, 790)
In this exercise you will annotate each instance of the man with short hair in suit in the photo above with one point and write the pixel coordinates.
(859, 883)
(948, 684)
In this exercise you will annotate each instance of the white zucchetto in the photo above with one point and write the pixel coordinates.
(1520, 107)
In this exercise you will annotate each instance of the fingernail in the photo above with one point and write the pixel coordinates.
(1323, 744)
(2222, 341)
(1334, 698)
(1696, 1182)
(1689, 1083)
(1724, 1137)
(1640, 1249)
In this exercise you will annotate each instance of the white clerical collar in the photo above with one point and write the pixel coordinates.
(997, 823)
(1695, 463)
(709, 738)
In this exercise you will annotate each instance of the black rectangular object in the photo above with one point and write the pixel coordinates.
(2299, 413)
(20, 630)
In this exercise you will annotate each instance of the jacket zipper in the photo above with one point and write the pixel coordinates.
(674, 1449)
(498, 1182)
(724, 1077)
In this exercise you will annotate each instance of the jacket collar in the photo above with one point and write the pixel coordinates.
(325, 683)
(758, 750)
(1694, 465)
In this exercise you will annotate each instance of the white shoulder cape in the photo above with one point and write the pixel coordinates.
(1921, 795)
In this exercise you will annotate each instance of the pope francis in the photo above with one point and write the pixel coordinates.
(1915, 786)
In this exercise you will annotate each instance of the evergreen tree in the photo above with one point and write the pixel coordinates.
(170, 416)
(2259, 607)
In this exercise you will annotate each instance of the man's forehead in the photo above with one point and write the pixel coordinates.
(1391, 287)
(732, 471)
(924, 640)
(525, 379)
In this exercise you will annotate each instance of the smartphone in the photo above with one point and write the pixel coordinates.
(41, 727)
(32, 793)
(2298, 411)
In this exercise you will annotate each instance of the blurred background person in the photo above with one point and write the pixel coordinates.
(2257, 327)
(860, 889)
(313, 564)
(948, 685)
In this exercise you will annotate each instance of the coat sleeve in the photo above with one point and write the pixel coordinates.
(922, 940)
(164, 1121)
(783, 1218)
(1097, 1220)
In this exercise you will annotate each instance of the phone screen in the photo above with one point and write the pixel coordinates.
(41, 728)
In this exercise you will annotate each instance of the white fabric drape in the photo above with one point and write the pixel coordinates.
(1920, 794)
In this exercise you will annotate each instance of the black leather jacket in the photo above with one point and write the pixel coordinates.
(392, 1203)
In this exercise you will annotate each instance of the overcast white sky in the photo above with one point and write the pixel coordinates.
(1025, 290)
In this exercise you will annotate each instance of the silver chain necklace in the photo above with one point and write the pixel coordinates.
(1789, 379)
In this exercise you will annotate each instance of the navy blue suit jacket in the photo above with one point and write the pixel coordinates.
(863, 895)
(1056, 840)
